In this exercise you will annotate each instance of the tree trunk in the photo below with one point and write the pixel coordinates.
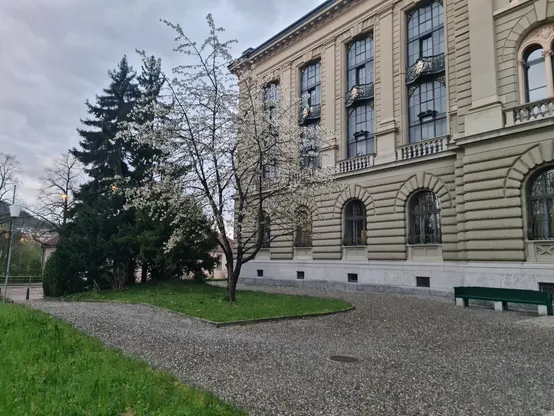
(131, 267)
(144, 273)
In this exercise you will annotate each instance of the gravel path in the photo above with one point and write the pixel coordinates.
(418, 356)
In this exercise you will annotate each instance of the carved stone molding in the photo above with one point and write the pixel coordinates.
(544, 32)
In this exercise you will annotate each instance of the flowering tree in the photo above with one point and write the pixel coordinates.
(233, 143)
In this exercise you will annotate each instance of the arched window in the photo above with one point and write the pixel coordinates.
(425, 214)
(355, 224)
(535, 74)
(265, 230)
(303, 235)
(540, 197)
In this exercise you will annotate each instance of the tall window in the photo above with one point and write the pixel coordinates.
(265, 230)
(303, 235)
(359, 98)
(540, 196)
(272, 95)
(310, 90)
(425, 79)
(535, 79)
(355, 224)
(310, 115)
(425, 216)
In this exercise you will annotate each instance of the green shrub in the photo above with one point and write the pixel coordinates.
(59, 280)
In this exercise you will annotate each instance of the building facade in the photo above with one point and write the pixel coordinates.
(443, 115)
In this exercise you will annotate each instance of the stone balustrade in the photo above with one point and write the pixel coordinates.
(424, 148)
(357, 163)
(530, 112)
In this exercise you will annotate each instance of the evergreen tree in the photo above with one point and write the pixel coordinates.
(104, 155)
(103, 242)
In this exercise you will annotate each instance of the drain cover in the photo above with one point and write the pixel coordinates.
(343, 359)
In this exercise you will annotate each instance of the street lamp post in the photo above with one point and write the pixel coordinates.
(14, 213)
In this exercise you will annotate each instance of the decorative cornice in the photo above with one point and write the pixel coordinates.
(254, 56)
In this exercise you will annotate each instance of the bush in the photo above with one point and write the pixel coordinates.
(58, 280)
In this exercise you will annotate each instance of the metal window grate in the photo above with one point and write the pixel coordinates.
(300, 275)
(260, 273)
(353, 277)
(423, 281)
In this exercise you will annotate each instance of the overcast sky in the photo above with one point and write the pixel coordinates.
(54, 54)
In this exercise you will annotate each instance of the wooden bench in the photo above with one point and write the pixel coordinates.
(501, 297)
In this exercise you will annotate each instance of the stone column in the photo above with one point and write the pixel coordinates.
(385, 125)
(485, 113)
(548, 66)
(328, 76)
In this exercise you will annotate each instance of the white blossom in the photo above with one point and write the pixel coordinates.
(219, 146)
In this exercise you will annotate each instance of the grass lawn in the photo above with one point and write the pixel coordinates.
(205, 301)
(49, 368)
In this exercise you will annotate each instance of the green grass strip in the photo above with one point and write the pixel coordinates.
(49, 368)
(206, 301)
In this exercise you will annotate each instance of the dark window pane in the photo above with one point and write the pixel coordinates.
(424, 219)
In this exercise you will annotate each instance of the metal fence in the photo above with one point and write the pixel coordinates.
(21, 280)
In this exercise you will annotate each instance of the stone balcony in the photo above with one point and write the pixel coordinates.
(424, 148)
(355, 163)
(530, 112)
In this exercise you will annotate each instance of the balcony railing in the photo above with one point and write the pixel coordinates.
(425, 66)
(359, 93)
(530, 112)
(354, 164)
(309, 113)
(425, 148)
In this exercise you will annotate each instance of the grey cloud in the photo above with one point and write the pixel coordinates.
(54, 55)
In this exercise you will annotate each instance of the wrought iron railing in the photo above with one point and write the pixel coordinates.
(309, 113)
(303, 240)
(359, 93)
(358, 239)
(425, 66)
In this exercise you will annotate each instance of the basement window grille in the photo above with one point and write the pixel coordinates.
(423, 281)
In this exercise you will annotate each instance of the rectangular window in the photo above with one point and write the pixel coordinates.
(359, 100)
(426, 81)
(300, 275)
(353, 277)
(260, 273)
(423, 281)
(310, 90)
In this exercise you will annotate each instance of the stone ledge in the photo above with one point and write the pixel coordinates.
(207, 321)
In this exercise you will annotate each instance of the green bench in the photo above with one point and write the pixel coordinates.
(501, 297)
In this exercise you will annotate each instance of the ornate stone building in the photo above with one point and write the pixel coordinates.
(443, 113)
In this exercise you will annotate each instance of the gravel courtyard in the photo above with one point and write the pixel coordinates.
(417, 356)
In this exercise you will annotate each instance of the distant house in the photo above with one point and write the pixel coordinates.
(220, 271)
(48, 248)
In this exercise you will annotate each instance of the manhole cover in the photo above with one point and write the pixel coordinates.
(343, 359)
